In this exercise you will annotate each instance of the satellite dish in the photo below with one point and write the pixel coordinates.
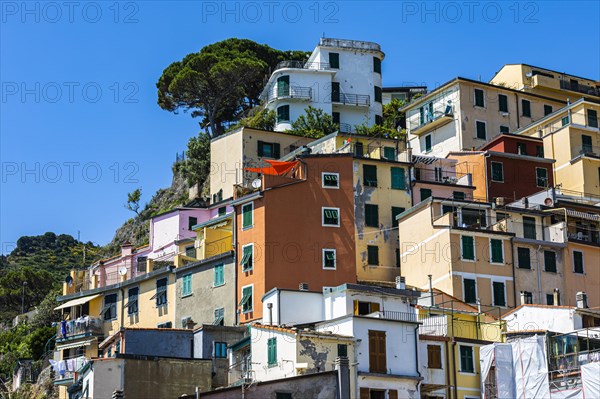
(69, 281)
(548, 201)
(256, 183)
(123, 271)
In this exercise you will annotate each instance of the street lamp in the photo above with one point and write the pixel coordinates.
(23, 298)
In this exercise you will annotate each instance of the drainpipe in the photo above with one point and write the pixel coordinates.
(122, 306)
(539, 275)
(485, 171)
(431, 300)
(417, 355)
(512, 253)
(454, 368)
(448, 388)
(517, 101)
(270, 307)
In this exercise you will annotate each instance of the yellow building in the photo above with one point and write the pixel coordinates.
(546, 82)
(214, 236)
(450, 336)
(571, 136)
(458, 243)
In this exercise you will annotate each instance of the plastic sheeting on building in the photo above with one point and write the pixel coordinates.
(590, 379)
(520, 369)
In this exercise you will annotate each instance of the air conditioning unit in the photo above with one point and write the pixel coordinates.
(303, 287)
(499, 201)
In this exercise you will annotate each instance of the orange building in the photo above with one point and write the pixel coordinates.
(295, 229)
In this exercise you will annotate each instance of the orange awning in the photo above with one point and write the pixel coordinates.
(277, 168)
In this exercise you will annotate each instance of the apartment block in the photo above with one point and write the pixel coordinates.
(440, 177)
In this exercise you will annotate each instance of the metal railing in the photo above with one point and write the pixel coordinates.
(345, 128)
(68, 368)
(440, 175)
(79, 327)
(303, 93)
(590, 151)
(395, 315)
(303, 65)
(439, 111)
(580, 88)
(351, 99)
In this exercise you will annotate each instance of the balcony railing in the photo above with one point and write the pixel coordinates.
(590, 151)
(345, 128)
(66, 370)
(291, 92)
(397, 316)
(80, 327)
(303, 65)
(580, 88)
(439, 115)
(351, 99)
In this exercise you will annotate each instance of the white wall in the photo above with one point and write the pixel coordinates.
(104, 377)
(293, 307)
(286, 350)
(561, 320)
(341, 303)
(432, 376)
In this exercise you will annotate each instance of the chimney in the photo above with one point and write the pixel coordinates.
(431, 298)
(126, 249)
(270, 307)
(400, 283)
(581, 300)
(556, 297)
(342, 365)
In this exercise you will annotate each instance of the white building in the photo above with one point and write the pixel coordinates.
(557, 319)
(341, 77)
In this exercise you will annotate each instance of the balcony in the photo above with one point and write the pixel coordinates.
(396, 316)
(357, 100)
(580, 88)
(441, 176)
(320, 66)
(589, 151)
(66, 371)
(434, 325)
(345, 128)
(429, 119)
(289, 93)
(79, 328)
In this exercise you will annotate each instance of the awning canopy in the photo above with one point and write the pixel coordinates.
(583, 215)
(77, 344)
(76, 302)
(277, 168)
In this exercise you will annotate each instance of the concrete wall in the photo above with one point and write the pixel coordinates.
(161, 342)
(430, 375)
(552, 318)
(206, 297)
(285, 308)
(104, 377)
(341, 303)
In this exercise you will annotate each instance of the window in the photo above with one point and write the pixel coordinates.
(378, 94)
(132, 300)
(438, 173)
(389, 153)
(283, 113)
(521, 149)
(550, 299)
(161, 292)
(466, 359)
(396, 210)
(497, 172)
(247, 215)
(498, 293)
(283, 86)
(592, 118)
(247, 257)
(470, 288)
(467, 248)
(117, 347)
(370, 175)
(547, 109)
(527, 297)
(565, 121)
(219, 275)
(578, 262)
(378, 120)
(480, 129)
(398, 178)
(328, 258)
(358, 149)
(526, 105)
(283, 395)
(434, 356)
(473, 217)
(376, 65)
(373, 255)
(501, 216)
(550, 261)
(428, 143)
(502, 103)
(272, 352)
(529, 228)
(371, 215)
(192, 221)
(168, 324)
(425, 193)
(458, 195)
(363, 308)
(141, 262)
(190, 251)
(504, 129)
(335, 116)
(377, 352)
(524, 258)
(334, 60)
(335, 92)
(497, 251)
(541, 177)
(186, 285)
(331, 216)
(220, 350)
(219, 317)
(342, 350)
(270, 150)
(479, 98)
(110, 307)
(586, 144)
(246, 301)
(539, 151)
(222, 210)
(330, 180)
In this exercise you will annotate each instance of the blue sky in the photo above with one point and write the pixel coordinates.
(79, 124)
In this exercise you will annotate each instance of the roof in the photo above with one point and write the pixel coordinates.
(375, 289)
(402, 89)
(547, 69)
(242, 128)
(299, 331)
(213, 221)
(537, 306)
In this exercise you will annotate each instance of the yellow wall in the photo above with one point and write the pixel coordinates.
(589, 282)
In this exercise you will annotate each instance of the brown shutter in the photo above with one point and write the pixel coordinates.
(377, 355)
(374, 307)
(382, 354)
(364, 393)
(392, 394)
(356, 306)
(372, 351)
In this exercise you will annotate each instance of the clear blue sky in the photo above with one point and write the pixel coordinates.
(78, 82)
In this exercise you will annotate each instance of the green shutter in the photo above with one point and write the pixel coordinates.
(468, 252)
(497, 256)
(335, 92)
(398, 176)
(389, 153)
(524, 258)
(371, 215)
(550, 261)
(428, 143)
(396, 210)
(470, 290)
(378, 96)
(247, 211)
(334, 60)
(458, 195)
(272, 351)
(283, 86)
(219, 275)
(376, 65)
(261, 145)
(425, 193)
(578, 262)
(499, 299)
